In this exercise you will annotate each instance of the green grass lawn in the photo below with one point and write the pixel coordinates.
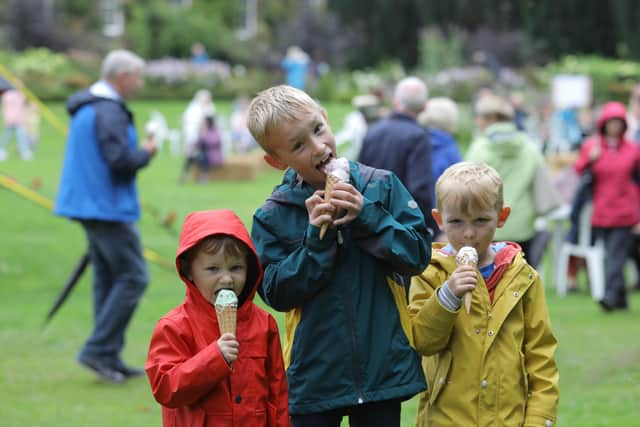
(598, 355)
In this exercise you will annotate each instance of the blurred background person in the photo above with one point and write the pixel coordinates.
(209, 148)
(192, 123)
(14, 114)
(614, 163)
(528, 187)
(296, 67)
(98, 189)
(399, 144)
(367, 110)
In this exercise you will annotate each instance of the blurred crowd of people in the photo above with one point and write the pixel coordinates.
(545, 154)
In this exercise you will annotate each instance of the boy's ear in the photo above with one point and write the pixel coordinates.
(503, 215)
(438, 218)
(274, 163)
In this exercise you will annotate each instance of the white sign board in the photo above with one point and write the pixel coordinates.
(571, 91)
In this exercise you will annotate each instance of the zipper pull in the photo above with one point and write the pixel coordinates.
(340, 239)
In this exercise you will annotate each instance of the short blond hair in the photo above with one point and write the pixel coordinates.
(469, 187)
(494, 106)
(441, 113)
(275, 105)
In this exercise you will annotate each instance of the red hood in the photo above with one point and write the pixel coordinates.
(198, 225)
(611, 110)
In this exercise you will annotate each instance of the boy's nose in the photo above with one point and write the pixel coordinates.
(469, 233)
(317, 146)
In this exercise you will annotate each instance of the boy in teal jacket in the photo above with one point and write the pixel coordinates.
(348, 345)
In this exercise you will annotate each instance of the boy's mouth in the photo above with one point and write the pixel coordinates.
(323, 164)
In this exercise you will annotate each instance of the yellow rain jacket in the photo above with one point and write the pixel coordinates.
(494, 366)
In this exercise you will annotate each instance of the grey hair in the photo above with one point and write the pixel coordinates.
(120, 61)
(441, 113)
(411, 95)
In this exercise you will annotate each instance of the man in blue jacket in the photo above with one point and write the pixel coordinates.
(399, 144)
(98, 189)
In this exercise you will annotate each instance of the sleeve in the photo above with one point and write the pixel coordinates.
(177, 376)
(420, 178)
(539, 348)
(112, 124)
(583, 163)
(291, 276)
(278, 395)
(431, 323)
(393, 229)
(474, 151)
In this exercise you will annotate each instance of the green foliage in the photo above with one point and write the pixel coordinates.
(438, 52)
(47, 74)
(156, 30)
(611, 79)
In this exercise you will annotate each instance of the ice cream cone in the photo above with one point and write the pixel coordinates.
(467, 256)
(332, 180)
(226, 319)
(226, 309)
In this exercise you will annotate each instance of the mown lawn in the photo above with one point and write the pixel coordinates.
(599, 355)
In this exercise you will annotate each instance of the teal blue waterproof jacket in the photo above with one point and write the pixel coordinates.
(348, 335)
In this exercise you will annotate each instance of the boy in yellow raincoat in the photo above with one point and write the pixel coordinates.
(495, 365)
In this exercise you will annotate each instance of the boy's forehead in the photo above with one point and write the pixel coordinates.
(297, 124)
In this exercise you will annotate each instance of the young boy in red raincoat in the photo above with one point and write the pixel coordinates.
(200, 377)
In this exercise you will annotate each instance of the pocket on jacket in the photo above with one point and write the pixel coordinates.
(437, 373)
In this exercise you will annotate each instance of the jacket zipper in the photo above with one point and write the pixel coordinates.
(356, 359)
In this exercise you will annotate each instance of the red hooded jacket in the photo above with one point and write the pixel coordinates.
(186, 370)
(616, 200)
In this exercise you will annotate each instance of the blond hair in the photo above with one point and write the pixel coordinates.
(494, 106)
(276, 105)
(469, 187)
(441, 113)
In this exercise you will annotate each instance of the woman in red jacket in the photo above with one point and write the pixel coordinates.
(614, 162)
(200, 377)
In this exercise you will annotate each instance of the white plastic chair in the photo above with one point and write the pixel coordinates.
(593, 254)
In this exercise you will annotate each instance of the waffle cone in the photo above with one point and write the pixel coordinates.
(226, 319)
(332, 180)
(467, 295)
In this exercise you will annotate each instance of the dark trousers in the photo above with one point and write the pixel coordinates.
(119, 280)
(617, 242)
(375, 414)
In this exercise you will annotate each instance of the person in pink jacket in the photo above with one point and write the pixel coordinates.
(614, 163)
(14, 113)
(203, 378)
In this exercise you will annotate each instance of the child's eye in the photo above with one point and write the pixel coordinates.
(482, 220)
(318, 128)
(212, 269)
(297, 146)
(237, 268)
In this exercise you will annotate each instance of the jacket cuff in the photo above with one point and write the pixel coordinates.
(447, 298)
(312, 238)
